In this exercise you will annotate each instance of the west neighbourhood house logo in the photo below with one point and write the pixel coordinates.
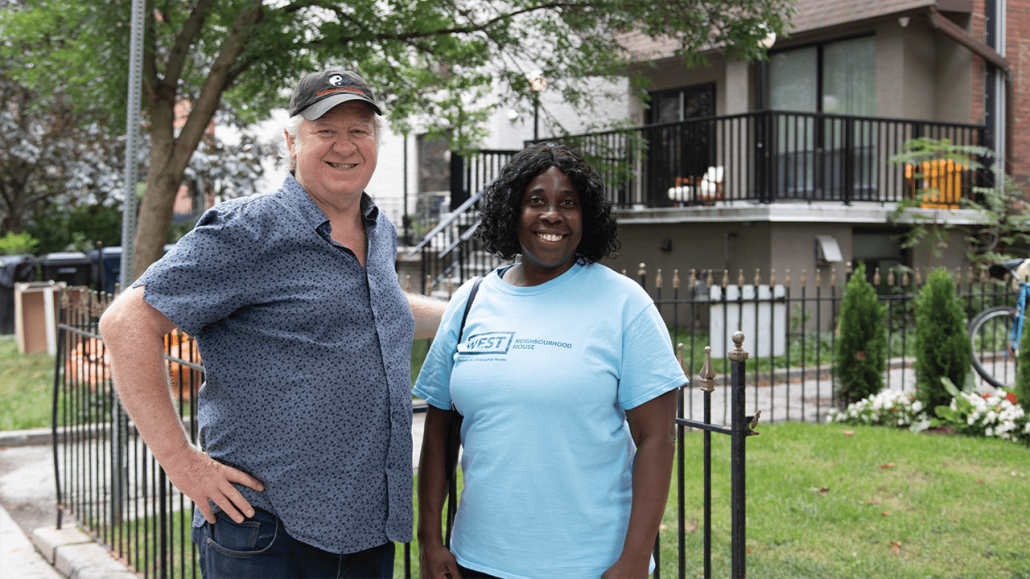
(489, 343)
(499, 343)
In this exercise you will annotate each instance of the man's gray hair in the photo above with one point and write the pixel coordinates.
(292, 127)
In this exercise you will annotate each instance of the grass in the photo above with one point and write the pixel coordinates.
(876, 503)
(26, 387)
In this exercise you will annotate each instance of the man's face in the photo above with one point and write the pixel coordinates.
(337, 153)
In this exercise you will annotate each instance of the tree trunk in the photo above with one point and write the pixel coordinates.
(155, 219)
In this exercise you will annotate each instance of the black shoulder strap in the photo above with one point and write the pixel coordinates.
(468, 306)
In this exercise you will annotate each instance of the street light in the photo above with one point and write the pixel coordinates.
(537, 83)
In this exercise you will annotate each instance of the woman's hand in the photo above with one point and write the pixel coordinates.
(437, 562)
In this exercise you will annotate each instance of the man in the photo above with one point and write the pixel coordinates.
(305, 334)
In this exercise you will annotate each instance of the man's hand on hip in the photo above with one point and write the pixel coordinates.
(204, 479)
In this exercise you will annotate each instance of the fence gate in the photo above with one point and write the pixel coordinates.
(740, 428)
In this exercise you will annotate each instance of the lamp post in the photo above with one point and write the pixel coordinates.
(537, 83)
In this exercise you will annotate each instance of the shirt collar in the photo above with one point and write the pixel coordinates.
(311, 213)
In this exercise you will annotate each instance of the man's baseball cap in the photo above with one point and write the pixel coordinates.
(318, 92)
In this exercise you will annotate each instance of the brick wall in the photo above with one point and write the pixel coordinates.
(1017, 50)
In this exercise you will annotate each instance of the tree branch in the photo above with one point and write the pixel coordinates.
(179, 52)
(220, 78)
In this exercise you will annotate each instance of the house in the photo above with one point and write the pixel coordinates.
(784, 164)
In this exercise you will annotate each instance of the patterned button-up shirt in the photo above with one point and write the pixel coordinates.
(307, 354)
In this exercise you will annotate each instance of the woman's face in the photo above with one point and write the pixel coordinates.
(550, 226)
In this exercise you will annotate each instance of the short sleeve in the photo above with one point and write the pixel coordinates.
(210, 273)
(434, 380)
(649, 365)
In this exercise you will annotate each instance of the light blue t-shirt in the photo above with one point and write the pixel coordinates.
(543, 377)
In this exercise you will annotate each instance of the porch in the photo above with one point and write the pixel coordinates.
(776, 156)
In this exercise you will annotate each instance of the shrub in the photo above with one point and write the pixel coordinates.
(17, 244)
(942, 346)
(861, 355)
(1021, 388)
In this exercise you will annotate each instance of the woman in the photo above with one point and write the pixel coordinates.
(567, 382)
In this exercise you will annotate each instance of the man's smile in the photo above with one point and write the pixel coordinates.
(342, 166)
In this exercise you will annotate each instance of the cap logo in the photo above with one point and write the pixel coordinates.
(322, 93)
(336, 80)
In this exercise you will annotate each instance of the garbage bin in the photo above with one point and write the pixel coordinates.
(73, 268)
(13, 269)
(107, 268)
(36, 315)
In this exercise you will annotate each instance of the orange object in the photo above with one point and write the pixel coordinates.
(940, 183)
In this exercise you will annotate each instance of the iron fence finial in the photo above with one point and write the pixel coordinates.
(707, 375)
(738, 352)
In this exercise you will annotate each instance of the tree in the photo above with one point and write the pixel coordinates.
(49, 156)
(943, 349)
(861, 355)
(432, 60)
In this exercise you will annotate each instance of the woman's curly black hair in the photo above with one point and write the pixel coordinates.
(502, 206)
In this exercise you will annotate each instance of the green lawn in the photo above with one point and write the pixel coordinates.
(876, 503)
(26, 387)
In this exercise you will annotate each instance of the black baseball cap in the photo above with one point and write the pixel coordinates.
(318, 92)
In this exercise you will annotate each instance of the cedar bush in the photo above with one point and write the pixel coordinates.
(1022, 386)
(861, 355)
(942, 344)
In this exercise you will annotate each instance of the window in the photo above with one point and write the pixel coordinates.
(822, 150)
(683, 150)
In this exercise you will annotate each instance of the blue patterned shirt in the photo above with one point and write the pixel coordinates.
(307, 355)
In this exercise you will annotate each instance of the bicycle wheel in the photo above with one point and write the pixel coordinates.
(989, 333)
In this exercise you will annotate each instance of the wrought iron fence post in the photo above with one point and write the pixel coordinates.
(707, 385)
(740, 431)
(62, 313)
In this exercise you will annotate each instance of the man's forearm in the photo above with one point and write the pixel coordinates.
(134, 340)
(427, 312)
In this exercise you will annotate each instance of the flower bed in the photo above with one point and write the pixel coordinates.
(991, 415)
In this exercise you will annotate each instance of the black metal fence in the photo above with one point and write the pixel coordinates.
(769, 156)
(109, 482)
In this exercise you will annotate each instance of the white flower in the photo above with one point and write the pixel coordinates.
(989, 432)
(917, 406)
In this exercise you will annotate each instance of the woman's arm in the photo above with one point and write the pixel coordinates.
(653, 426)
(435, 560)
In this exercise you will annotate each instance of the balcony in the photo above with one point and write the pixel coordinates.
(775, 156)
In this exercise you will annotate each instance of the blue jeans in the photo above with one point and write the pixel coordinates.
(260, 548)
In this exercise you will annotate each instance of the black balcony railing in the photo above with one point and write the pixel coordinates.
(771, 156)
